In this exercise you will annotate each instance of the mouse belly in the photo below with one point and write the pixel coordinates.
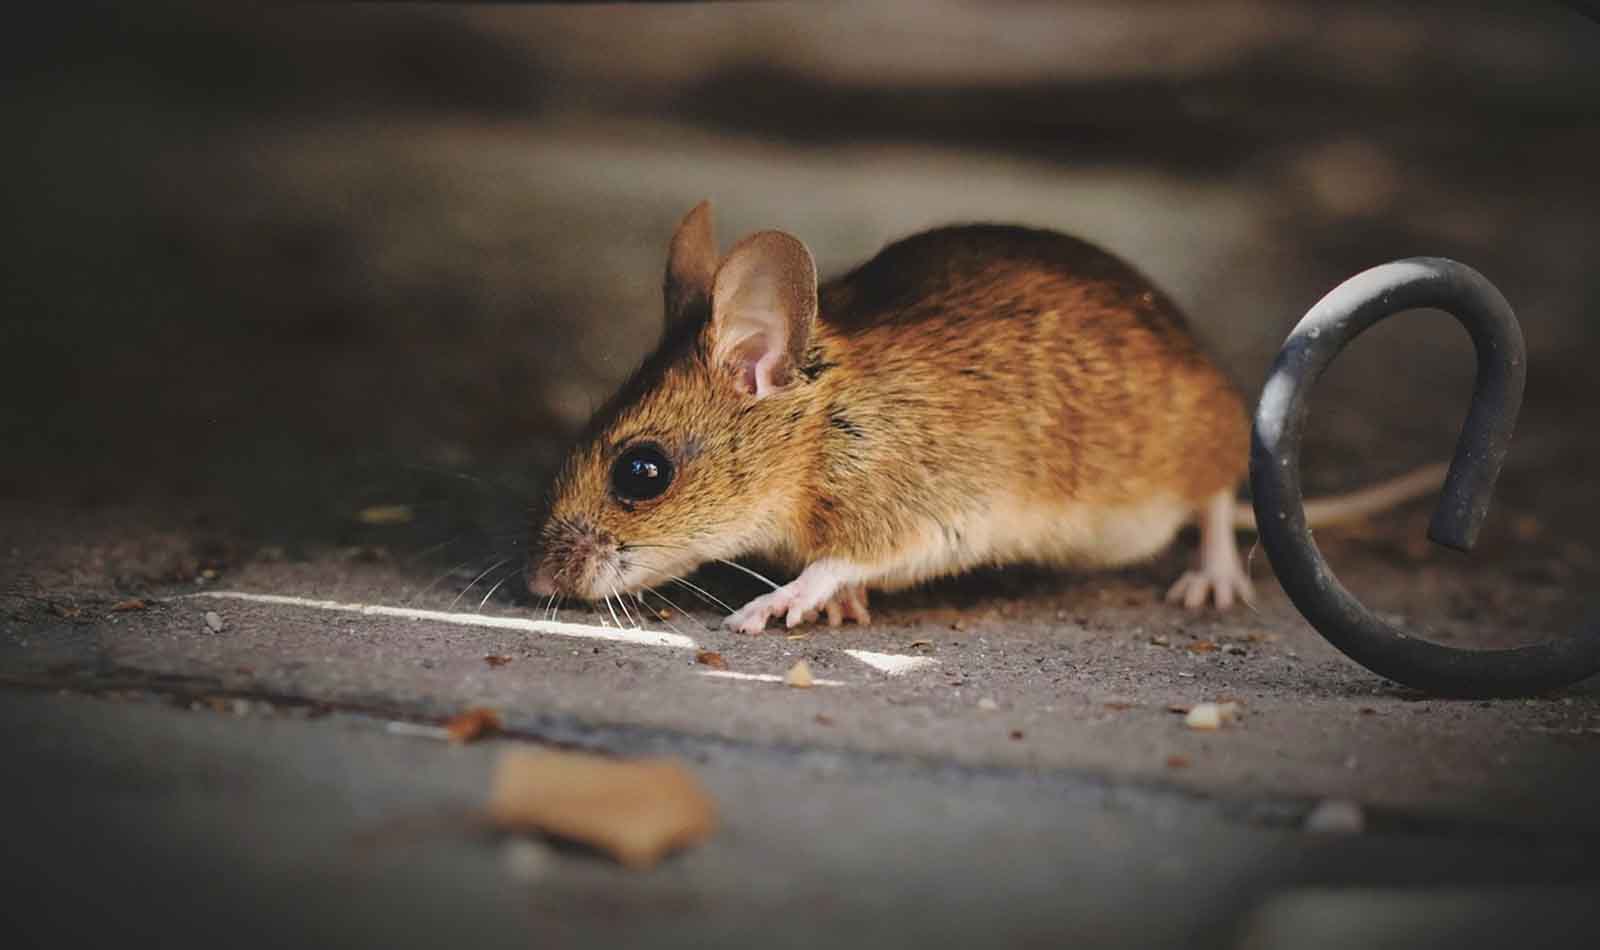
(1015, 531)
(1005, 531)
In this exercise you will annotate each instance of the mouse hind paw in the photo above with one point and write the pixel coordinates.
(1194, 588)
(1221, 576)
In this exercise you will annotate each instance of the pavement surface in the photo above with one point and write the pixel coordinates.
(314, 328)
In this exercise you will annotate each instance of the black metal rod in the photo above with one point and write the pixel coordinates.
(1338, 318)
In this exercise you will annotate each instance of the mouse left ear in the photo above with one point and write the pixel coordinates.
(691, 264)
(763, 310)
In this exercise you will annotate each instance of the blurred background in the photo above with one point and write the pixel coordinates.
(276, 266)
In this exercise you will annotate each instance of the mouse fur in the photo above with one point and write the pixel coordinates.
(970, 396)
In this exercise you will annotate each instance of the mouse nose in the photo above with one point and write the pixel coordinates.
(541, 582)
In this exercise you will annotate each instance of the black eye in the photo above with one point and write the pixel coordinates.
(641, 473)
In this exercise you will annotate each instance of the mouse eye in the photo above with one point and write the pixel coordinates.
(641, 473)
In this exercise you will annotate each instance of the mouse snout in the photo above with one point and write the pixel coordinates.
(541, 580)
(573, 559)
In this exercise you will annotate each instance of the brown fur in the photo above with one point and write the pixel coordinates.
(958, 365)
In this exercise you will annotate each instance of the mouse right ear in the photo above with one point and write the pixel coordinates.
(763, 309)
(691, 264)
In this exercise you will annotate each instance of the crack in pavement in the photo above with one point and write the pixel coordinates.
(1075, 787)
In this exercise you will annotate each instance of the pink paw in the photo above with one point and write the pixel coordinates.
(814, 592)
(1194, 588)
(848, 603)
(752, 617)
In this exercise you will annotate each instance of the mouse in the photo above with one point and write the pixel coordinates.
(972, 396)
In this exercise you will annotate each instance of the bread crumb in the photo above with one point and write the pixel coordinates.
(637, 812)
(799, 675)
(1208, 716)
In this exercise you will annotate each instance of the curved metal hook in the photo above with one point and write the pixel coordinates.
(1338, 318)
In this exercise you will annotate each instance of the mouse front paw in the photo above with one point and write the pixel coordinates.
(752, 617)
(819, 589)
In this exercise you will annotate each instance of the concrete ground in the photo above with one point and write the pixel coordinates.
(395, 260)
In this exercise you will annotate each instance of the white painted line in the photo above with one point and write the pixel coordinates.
(764, 677)
(892, 663)
(398, 728)
(651, 638)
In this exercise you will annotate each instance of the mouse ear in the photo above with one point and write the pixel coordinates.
(763, 308)
(691, 264)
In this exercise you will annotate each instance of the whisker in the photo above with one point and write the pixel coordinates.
(693, 588)
(675, 607)
(740, 567)
(485, 600)
(701, 593)
(624, 605)
(475, 580)
(644, 607)
(434, 547)
(435, 582)
(496, 485)
(613, 612)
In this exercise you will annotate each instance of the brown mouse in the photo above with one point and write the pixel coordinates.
(980, 395)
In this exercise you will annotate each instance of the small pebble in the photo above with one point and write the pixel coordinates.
(214, 621)
(987, 704)
(526, 860)
(1336, 816)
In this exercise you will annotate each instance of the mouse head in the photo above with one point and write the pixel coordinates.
(699, 456)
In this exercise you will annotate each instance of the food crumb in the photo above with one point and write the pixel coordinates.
(712, 659)
(799, 675)
(987, 704)
(214, 621)
(385, 514)
(493, 660)
(637, 812)
(136, 603)
(1207, 716)
(473, 724)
